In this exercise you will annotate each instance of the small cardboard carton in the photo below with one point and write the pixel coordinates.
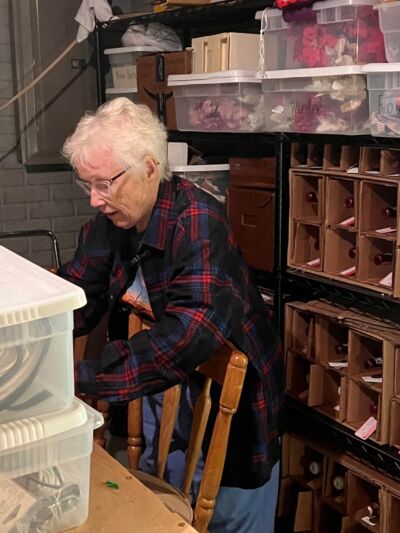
(152, 75)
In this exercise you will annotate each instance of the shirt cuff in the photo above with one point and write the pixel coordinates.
(85, 378)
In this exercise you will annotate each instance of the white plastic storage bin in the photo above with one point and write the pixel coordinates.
(213, 179)
(383, 82)
(226, 101)
(338, 33)
(45, 470)
(131, 94)
(123, 64)
(349, 32)
(36, 352)
(389, 21)
(328, 100)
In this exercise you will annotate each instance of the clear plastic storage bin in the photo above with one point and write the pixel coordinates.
(389, 22)
(45, 470)
(36, 352)
(330, 100)
(336, 33)
(123, 65)
(213, 179)
(383, 82)
(227, 101)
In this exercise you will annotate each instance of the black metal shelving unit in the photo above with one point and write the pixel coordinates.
(287, 283)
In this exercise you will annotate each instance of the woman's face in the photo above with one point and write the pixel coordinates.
(130, 199)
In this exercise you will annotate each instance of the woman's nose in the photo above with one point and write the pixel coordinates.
(95, 199)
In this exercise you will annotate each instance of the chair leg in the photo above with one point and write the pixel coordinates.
(228, 404)
(170, 407)
(135, 430)
(104, 408)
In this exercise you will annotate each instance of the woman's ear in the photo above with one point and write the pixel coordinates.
(151, 168)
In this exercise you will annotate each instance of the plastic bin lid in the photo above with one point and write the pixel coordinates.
(270, 12)
(386, 5)
(35, 428)
(29, 292)
(222, 76)
(312, 72)
(198, 168)
(326, 4)
(127, 49)
(381, 67)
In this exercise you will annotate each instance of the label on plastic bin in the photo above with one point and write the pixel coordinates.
(14, 503)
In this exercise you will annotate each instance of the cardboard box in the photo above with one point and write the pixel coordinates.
(327, 392)
(394, 426)
(225, 51)
(300, 332)
(340, 158)
(335, 495)
(297, 376)
(376, 198)
(306, 197)
(252, 216)
(371, 273)
(315, 155)
(299, 155)
(340, 255)
(379, 162)
(342, 202)
(252, 172)
(305, 248)
(361, 493)
(331, 342)
(153, 91)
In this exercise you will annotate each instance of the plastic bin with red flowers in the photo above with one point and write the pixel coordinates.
(332, 33)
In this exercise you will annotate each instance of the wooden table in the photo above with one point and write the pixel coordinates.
(132, 508)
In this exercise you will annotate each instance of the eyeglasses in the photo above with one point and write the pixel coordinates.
(100, 186)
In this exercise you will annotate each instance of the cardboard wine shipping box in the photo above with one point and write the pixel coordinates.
(152, 77)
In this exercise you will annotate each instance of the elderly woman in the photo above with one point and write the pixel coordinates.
(166, 247)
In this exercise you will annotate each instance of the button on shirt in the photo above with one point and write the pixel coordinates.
(201, 294)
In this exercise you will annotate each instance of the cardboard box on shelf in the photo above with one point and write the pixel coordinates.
(378, 208)
(340, 158)
(376, 264)
(299, 155)
(379, 162)
(340, 255)
(306, 197)
(342, 202)
(225, 51)
(152, 75)
(315, 155)
(252, 172)
(252, 216)
(327, 392)
(305, 248)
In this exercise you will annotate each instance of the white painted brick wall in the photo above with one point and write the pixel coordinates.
(45, 200)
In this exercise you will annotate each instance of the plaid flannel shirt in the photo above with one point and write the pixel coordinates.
(201, 294)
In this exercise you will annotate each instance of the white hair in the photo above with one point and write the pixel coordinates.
(129, 132)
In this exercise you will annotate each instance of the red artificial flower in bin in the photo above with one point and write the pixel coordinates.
(282, 4)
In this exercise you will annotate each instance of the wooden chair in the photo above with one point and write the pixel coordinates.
(227, 367)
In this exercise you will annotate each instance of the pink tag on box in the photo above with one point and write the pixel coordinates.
(367, 429)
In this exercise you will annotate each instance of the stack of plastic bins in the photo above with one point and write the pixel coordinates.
(225, 101)
(320, 100)
(45, 434)
(123, 67)
(383, 80)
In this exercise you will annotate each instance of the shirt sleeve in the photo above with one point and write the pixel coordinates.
(196, 321)
(90, 268)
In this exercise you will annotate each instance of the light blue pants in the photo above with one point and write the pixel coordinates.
(237, 510)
